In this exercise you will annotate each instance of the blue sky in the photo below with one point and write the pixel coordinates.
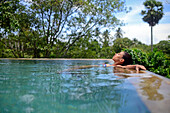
(135, 27)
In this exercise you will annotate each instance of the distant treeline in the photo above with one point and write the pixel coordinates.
(87, 47)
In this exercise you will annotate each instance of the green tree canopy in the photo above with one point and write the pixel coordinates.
(43, 25)
(164, 45)
(121, 43)
(8, 21)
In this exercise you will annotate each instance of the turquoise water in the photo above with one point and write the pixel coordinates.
(43, 86)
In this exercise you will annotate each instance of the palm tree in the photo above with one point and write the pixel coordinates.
(152, 14)
(106, 38)
(119, 33)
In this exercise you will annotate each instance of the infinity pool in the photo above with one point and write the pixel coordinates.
(52, 86)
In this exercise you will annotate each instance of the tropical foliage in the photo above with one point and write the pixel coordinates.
(154, 61)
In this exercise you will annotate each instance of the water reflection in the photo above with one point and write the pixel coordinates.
(84, 84)
(119, 70)
(150, 87)
(125, 73)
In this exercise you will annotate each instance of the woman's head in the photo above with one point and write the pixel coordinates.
(122, 58)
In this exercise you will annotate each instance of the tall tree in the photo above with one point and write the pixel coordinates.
(106, 42)
(9, 25)
(69, 20)
(106, 38)
(152, 14)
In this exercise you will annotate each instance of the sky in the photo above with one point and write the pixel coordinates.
(135, 27)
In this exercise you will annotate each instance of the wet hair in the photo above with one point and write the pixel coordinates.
(127, 59)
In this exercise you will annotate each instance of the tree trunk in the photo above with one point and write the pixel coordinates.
(151, 40)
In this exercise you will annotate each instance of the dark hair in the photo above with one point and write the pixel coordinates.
(127, 59)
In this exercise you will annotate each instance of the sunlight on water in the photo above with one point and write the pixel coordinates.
(45, 87)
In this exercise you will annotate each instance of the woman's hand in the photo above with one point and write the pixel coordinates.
(138, 67)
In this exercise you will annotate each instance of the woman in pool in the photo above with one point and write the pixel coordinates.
(124, 60)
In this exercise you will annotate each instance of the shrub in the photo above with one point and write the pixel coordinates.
(154, 61)
(158, 63)
(138, 56)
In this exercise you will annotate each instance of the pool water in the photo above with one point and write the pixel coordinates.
(46, 86)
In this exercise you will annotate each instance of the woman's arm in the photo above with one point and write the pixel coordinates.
(137, 67)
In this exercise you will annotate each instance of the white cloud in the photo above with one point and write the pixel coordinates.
(28, 0)
(133, 16)
(161, 32)
(136, 28)
(142, 32)
(167, 13)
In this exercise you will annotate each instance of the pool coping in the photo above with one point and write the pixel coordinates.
(154, 91)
